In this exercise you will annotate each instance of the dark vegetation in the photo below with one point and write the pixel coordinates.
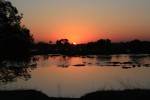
(135, 94)
(15, 38)
(102, 46)
(23, 95)
(15, 43)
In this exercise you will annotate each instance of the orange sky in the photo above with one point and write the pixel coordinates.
(82, 21)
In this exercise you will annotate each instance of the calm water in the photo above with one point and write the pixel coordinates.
(75, 76)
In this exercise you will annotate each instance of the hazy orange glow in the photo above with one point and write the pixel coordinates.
(74, 43)
(78, 32)
(83, 21)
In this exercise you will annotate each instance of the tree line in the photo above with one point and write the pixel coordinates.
(101, 46)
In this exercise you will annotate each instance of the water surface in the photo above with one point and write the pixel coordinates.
(74, 76)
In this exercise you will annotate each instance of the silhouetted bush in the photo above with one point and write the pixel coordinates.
(14, 37)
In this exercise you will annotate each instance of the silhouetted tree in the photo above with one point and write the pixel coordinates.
(58, 43)
(50, 42)
(14, 37)
(90, 45)
(43, 47)
(104, 45)
(135, 46)
(64, 43)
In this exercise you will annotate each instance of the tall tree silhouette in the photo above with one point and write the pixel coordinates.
(64, 43)
(14, 37)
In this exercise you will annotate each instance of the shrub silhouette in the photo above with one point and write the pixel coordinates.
(14, 37)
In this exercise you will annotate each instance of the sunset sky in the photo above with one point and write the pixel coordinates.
(82, 21)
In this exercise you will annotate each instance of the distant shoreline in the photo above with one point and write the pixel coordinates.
(73, 54)
(131, 94)
(101, 46)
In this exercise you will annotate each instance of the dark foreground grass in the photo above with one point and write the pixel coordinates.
(27, 95)
(135, 94)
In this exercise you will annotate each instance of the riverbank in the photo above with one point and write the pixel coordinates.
(135, 94)
(27, 95)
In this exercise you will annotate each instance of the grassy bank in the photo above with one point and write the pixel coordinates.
(135, 94)
(27, 95)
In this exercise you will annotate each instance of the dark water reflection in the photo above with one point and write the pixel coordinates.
(18, 68)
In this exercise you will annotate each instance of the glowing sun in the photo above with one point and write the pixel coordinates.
(74, 43)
